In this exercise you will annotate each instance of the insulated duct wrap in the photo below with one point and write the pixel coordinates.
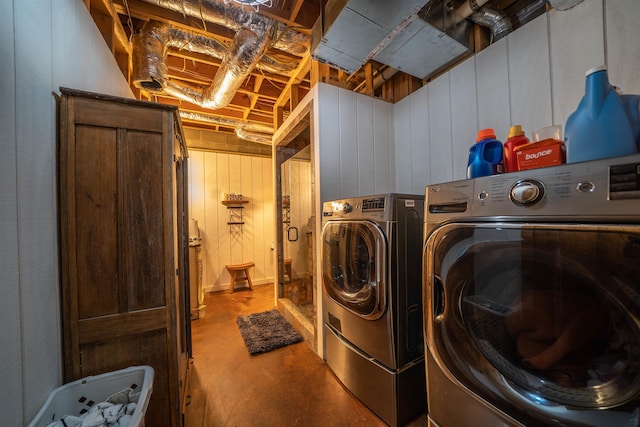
(260, 138)
(247, 50)
(497, 22)
(149, 56)
(151, 44)
(150, 69)
(220, 13)
(231, 123)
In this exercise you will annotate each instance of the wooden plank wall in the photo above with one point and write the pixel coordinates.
(210, 175)
(33, 68)
(353, 141)
(533, 77)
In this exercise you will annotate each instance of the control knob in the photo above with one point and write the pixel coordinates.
(527, 192)
(347, 208)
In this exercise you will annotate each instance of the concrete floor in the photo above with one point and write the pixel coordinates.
(290, 386)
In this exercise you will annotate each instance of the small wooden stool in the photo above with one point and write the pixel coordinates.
(234, 270)
(287, 269)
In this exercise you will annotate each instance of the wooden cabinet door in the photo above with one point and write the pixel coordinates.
(118, 235)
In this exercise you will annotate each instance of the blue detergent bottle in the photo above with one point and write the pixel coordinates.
(605, 124)
(485, 156)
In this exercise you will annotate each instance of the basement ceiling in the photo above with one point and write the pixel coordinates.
(187, 42)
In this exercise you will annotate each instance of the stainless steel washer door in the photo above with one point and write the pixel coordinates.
(540, 321)
(353, 266)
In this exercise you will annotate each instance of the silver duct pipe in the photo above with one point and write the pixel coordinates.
(260, 138)
(466, 9)
(248, 48)
(497, 22)
(218, 12)
(231, 123)
(150, 69)
(151, 44)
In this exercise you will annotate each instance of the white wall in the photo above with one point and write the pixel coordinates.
(296, 183)
(533, 77)
(353, 135)
(210, 175)
(44, 44)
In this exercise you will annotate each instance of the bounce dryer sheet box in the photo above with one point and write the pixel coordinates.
(548, 152)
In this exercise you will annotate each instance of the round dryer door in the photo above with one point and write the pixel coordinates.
(541, 321)
(353, 266)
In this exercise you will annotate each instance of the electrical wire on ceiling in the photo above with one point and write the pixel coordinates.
(129, 20)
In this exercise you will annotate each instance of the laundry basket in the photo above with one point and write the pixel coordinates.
(78, 397)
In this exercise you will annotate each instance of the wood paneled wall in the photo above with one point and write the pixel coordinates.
(44, 45)
(533, 77)
(210, 175)
(353, 139)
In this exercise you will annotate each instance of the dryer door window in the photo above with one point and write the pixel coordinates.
(543, 316)
(353, 267)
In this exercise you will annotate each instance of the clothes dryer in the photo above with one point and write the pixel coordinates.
(372, 299)
(532, 297)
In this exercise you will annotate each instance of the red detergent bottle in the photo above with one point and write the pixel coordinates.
(485, 156)
(515, 139)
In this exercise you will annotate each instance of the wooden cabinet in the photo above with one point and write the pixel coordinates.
(123, 243)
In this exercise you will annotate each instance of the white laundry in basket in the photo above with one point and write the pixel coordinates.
(115, 411)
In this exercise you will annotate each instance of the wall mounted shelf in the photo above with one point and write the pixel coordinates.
(235, 208)
(231, 203)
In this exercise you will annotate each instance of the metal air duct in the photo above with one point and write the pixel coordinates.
(248, 48)
(151, 44)
(150, 70)
(260, 138)
(412, 36)
(497, 22)
(231, 123)
(227, 15)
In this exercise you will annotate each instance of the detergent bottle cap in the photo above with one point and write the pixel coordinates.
(515, 130)
(487, 133)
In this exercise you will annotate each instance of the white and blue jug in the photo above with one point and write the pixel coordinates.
(606, 123)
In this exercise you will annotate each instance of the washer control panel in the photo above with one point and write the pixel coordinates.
(606, 188)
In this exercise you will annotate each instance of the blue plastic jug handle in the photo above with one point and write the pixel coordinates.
(492, 152)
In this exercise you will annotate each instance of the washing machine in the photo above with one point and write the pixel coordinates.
(532, 297)
(372, 301)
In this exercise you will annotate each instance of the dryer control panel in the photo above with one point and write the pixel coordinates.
(606, 189)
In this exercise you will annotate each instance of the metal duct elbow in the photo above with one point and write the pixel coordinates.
(498, 23)
(149, 55)
(150, 70)
(151, 44)
(150, 48)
